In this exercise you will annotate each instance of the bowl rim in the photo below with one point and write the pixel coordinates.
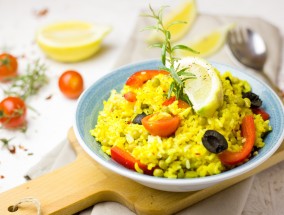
(181, 181)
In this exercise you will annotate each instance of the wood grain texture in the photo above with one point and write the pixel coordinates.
(84, 183)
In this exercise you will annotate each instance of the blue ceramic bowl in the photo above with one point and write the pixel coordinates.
(91, 102)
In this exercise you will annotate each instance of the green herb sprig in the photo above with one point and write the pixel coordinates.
(169, 60)
(28, 84)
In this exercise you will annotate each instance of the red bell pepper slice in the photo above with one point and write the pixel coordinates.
(127, 160)
(249, 133)
(163, 127)
(141, 77)
(130, 96)
(262, 112)
(181, 103)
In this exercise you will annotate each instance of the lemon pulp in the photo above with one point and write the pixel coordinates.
(187, 12)
(205, 90)
(71, 41)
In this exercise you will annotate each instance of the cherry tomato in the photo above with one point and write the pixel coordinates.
(249, 133)
(162, 126)
(127, 160)
(181, 103)
(130, 96)
(13, 112)
(141, 77)
(71, 84)
(263, 113)
(8, 67)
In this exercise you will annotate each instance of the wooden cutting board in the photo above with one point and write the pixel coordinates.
(84, 183)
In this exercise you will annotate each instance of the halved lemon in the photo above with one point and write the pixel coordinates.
(71, 41)
(205, 91)
(187, 12)
(209, 43)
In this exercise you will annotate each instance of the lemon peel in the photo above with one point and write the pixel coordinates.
(71, 41)
(185, 12)
(208, 43)
(205, 91)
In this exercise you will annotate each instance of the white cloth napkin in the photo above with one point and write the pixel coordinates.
(229, 201)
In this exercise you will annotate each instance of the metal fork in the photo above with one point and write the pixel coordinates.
(249, 48)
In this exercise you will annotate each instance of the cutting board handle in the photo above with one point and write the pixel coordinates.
(84, 182)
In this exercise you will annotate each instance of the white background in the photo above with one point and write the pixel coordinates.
(18, 25)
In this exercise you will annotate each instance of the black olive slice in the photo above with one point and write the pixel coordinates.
(254, 99)
(138, 118)
(214, 142)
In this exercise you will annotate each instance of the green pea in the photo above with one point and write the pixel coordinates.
(158, 173)
(240, 102)
(155, 82)
(144, 106)
(163, 164)
(247, 102)
(191, 174)
(135, 134)
(203, 121)
(234, 80)
(180, 173)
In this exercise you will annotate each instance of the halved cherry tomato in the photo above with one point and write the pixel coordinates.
(139, 78)
(127, 160)
(263, 113)
(130, 96)
(13, 112)
(181, 103)
(8, 67)
(71, 84)
(249, 133)
(163, 126)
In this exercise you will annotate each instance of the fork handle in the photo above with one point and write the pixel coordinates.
(271, 83)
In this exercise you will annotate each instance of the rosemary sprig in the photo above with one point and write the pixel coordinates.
(28, 84)
(169, 60)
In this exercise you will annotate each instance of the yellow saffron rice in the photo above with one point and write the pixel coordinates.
(181, 155)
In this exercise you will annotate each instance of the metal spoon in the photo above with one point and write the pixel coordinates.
(250, 49)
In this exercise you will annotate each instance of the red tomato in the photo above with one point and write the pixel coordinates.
(71, 84)
(130, 96)
(139, 78)
(163, 127)
(8, 67)
(263, 113)
(249, 133)
(181, 103)
(13, 112)
(127, 160)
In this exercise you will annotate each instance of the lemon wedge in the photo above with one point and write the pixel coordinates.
(209, 43)
(71, 41)
(187, 12)
(205, 91)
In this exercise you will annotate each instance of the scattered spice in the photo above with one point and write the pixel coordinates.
(2, 176)
(41, 12)
(12, 149)
(30, 154)
(27, 177)
(48, 97)
(22, 147)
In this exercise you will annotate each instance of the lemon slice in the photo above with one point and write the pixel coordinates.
(205, 91)
(71, 41)
(209, 43)
(187, 12)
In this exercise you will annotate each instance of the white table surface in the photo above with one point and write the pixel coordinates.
(47, 129)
